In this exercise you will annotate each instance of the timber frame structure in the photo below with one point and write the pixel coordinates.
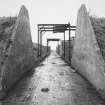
(55, 28)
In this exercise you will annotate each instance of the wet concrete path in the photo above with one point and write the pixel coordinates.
(53, 83)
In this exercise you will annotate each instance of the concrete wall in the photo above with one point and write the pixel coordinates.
(19, 55)
(98, 25)
(87, 58)
(6, 28)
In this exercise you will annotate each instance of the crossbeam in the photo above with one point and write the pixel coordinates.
(53, 39)
(55, 27)
(50, 24)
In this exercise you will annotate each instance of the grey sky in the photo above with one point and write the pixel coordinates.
(51, 11)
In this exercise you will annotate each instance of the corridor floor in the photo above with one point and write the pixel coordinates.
(53, 83)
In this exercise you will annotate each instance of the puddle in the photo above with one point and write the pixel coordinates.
(61, 73)
(53, 63)
(62, 64)
(45, 90)
(41, 64)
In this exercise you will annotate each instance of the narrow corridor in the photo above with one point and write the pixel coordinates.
(53, 83)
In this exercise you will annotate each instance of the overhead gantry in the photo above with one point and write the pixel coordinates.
(55, 28)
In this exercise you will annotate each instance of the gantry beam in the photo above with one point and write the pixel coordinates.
(54, 39)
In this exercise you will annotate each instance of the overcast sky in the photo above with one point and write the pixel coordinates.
(51, 11)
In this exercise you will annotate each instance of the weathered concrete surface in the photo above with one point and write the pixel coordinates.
(53, 83)
(86, 57)
(6, 28)
(20, 55)
(98, 25)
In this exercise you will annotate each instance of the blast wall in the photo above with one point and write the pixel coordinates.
(87, 58)
(17, 54)
(98, 25)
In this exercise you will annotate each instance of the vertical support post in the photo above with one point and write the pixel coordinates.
(69, 44)
(41, 42)
(64, 44)
(61, 49)
(47, 45)
(58, 48)
(38, 41)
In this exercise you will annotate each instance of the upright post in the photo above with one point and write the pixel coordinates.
(61, 50)
(64, 44)
(69, 44)
(47, 46)
(38, 41)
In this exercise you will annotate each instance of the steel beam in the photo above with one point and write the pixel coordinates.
(47, 45)
(38, 41)
(64, 44)
(69, 45)
(53, 39)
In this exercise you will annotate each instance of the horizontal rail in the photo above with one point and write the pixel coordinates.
(53, 30)
(50, 24)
